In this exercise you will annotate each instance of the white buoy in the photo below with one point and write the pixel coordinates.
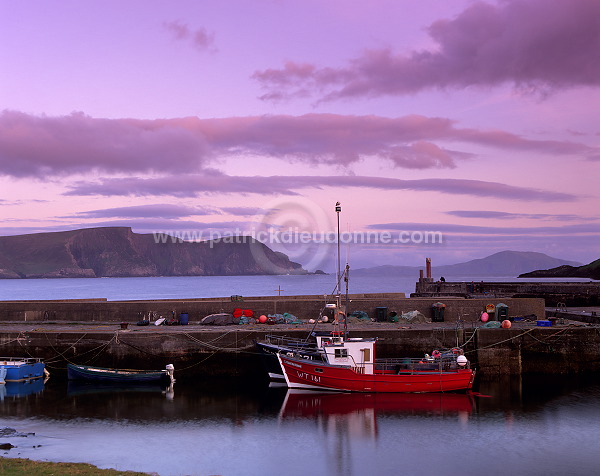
(462, 360)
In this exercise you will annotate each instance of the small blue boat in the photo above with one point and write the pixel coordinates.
(86, 372)
(21, 369)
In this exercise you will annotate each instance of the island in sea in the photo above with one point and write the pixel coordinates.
(119, 252)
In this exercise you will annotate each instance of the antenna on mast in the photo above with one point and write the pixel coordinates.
(338, 209)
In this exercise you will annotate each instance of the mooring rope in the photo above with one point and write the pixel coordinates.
(217, 348)
(53, 360)
(505, 340)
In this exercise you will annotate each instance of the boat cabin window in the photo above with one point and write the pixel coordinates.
(340, 353)
(366, 355)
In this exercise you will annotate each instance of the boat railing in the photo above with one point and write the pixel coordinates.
(24, 360)
(415, 365)
(289, 342)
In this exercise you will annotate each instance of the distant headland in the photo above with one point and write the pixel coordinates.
(119, 252)
(591, 270)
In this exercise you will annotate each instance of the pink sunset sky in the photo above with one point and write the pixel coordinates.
(475, 119)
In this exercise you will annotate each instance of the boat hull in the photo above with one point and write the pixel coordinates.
(21, 370)
(300, 373)
(83, 372)
(268, 354)
(268, 357)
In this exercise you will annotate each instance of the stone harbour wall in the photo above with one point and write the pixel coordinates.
(303, 307)
(198, 352)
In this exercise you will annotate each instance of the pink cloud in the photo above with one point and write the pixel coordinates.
(545, 231)
(200, 38)
(334, 139)
(215, 182)
(40, 146)
(497, 215)
(58, 146)
(536, 45)
(298, 80)
(341, 140)
(243, 211)
(167, 211)
(152, 211)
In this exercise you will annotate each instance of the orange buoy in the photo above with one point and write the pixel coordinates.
(506, 324)
(484, 317)
(262, 319)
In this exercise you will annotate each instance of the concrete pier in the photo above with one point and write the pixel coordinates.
(554, 293)
(208, 351)
(92, 332)
(304, 307)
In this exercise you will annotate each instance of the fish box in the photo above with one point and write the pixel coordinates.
(544, 323)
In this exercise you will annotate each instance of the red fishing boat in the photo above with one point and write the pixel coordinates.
(350, 365)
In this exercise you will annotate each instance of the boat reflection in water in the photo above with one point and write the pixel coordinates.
(21, 389)
(358, 412)
(80, 388)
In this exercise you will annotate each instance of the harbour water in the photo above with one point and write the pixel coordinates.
(521, 426)
(184, 287)
(517, 427)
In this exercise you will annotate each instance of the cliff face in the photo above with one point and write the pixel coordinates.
(591, 270)
(118, 252)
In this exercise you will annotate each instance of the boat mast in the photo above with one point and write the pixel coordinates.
(338, 287)
(338, 209)
(346, 278)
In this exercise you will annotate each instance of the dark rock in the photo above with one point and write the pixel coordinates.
(7, 431)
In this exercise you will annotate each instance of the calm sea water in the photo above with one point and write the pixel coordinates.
(207, 286)
(529, 427)
(518, 427)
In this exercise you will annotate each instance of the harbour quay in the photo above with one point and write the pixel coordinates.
(554, 293)
(106, 333)
(378, 306)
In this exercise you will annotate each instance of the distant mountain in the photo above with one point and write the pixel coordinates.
(118, 252)
(387, 270)
(591, 271)
(504, 263)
